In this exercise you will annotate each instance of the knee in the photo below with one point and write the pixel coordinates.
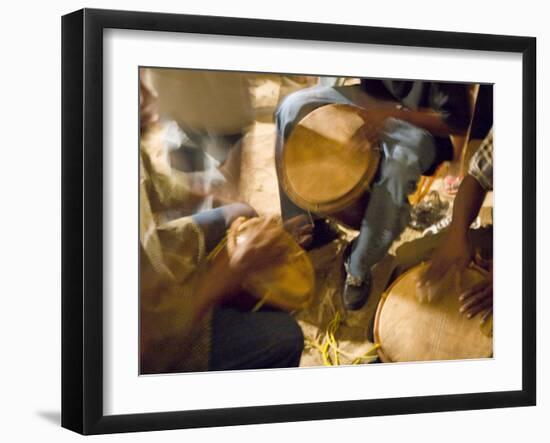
(288, 109)
(291, 104)
(245, 210)
(291, 109)
(292, 339)
(399, 179)
(409, 144)
(235, 210)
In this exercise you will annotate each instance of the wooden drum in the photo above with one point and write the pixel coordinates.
(328, 162)
(288, 285)
(408, 330)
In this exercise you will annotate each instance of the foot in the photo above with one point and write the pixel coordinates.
(301, 230)
(356, 290)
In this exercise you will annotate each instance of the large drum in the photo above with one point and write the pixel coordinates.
(328, 163)
(287, 285)
(408, 330)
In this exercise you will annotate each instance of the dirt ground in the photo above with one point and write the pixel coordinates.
(333, 336)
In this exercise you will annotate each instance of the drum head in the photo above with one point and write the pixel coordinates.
(408, 330)
(327, 161)
(288, 285)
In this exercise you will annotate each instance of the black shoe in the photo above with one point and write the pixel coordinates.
(356, 290)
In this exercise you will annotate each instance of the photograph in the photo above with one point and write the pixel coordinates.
(294, 220)
(275, 222)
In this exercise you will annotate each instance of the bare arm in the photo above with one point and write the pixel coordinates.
(466, 207)
(432, 121)
(455, 249)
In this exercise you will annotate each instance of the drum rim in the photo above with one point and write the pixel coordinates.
(381, 355)
(343, 201)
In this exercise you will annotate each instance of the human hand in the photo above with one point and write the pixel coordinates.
(455, 252)
(479, 298)
(301, 229)
(263, 244)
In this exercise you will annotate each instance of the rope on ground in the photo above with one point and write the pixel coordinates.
(330, 343)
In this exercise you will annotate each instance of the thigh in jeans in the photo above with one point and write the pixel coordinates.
(293, 108)
(407, 152)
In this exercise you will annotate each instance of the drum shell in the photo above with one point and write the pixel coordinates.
(352, 162)
(431, 331)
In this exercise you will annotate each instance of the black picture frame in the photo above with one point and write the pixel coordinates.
(82, 220)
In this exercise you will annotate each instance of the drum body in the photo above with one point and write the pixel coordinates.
(287, 285)
(327, 163)
(408, 330)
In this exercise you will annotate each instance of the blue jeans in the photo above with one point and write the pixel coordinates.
(407, 151)
(247, 340)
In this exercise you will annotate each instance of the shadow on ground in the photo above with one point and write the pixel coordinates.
(54, 417)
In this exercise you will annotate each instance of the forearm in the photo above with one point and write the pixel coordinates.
(429, 120)
(467, 204)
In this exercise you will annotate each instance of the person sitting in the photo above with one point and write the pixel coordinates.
(184, 323)
(411, 123)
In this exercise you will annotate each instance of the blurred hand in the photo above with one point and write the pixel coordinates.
(263, 245)
(455, 252)
(479, 299)
(301, 229)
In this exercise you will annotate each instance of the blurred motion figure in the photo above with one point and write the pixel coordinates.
(184, 326)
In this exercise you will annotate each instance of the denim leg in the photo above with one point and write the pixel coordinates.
(293, 108)
(254, 340)
(212, 223)
(407, 151)
(215, 222)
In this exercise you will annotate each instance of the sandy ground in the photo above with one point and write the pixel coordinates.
(333, 336)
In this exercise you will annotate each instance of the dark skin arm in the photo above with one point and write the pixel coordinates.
(427, 119)
(455, 250)
(467, 204)
(479, 299)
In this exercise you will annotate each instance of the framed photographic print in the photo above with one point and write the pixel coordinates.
(270, 221)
